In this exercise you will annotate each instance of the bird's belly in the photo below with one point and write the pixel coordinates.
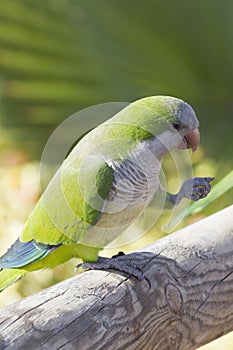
(131, 192)
(110, 225)
(135, 182)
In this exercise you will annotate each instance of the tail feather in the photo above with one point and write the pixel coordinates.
(19, 255)
(10, 276)
(23, 253)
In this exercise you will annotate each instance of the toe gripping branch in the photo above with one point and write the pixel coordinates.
(113, 264)
(194, 189)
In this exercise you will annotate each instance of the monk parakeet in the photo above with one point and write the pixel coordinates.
(103, 186)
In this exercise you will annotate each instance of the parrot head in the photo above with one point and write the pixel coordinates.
(186, 124)
(183, 131)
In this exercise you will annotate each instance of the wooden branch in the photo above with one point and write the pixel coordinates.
(185, 301)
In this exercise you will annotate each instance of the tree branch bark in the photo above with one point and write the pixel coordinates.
(185, 301)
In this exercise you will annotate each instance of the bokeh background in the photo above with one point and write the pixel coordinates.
(59, 56)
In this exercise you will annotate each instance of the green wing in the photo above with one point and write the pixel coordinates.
(71, 204)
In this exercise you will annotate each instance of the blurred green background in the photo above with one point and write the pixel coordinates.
(59, 56)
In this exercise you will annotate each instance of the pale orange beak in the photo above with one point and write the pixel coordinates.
(191, 140)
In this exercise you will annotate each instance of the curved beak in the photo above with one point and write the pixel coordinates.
(191, 140)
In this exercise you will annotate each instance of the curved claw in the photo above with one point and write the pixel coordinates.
(195, 188)
(201, 187)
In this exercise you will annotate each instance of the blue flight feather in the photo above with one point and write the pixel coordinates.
(24, 253)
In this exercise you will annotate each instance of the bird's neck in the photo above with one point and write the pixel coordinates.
(158, 148)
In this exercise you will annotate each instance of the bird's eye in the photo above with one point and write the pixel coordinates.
(176, 125)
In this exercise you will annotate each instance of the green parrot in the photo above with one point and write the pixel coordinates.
(110, 177)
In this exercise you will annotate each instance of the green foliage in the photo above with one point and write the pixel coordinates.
(60, 56)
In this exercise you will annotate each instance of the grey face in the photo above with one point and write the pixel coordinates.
(188, 117)
(185, 118)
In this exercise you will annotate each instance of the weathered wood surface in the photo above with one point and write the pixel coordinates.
(186, 300)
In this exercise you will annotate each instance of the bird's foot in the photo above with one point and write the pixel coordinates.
(113, 264)
(194, 189)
